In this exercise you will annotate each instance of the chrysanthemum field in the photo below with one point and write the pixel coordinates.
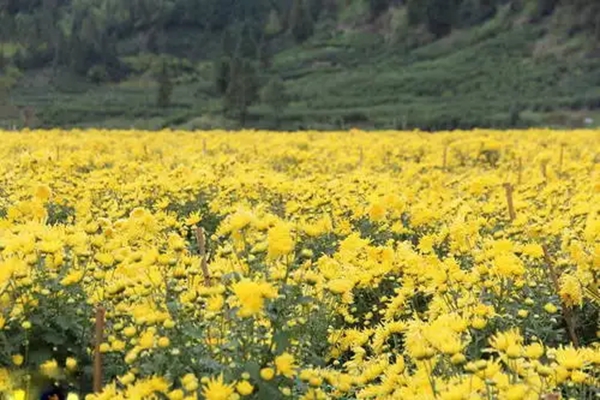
(310, 265)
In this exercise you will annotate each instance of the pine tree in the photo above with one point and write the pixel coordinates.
(315, 8)
(544, 8)
(242, 90)
(416, 11)
(273, 25)
(274, 95)
(300, 22)
(441, 15)
(165, 86)
(222, 74)
(376, 7)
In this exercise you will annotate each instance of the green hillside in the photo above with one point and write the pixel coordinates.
(350, 64)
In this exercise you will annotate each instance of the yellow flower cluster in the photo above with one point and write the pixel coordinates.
(388, 265)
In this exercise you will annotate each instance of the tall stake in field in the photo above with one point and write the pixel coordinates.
(560, 161)
(568, 316)
(551, 396)
(98, 338)
(201, 239)
(361, 157)
(509, 201)
(543, 166)
(445, 160)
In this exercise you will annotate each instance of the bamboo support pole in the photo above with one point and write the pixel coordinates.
(560, 161)
(543, 167)
(445, 159)
(567, 312)
(201, 239)
(98, 338)
(509, 201)
(361, 157)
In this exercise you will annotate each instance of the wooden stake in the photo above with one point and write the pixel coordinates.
(543, 167)
(204, 146)
(201, 239)
(568, 316)
(445, 158)
(560, 161)
(509, 201)
(98, 338)
(361, 157)
(551, 396)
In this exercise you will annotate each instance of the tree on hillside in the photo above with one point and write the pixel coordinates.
(441, 15)
(438, 15)
(240, 41)
(90, 38)
(165, 85)
(473, 12)
(416, 11)
(376, 7)
(9, 76)
(586, 15)
(273, 26)
(242, 88)
(222, 74)
(275, 96)
(300, 21)
(543, 8)
(315, 8)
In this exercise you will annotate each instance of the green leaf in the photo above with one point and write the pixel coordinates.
(64, 321)
(39, 356)
(305, 299)
(282, 341)
(253, 369)
(231, 277)
(267, 391)
(193, 332)
(53, 338)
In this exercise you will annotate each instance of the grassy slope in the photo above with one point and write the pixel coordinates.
(472, 78)
(476, 76)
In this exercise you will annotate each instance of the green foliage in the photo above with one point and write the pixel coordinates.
(301, 23)
(315, 8)
(441, 16)
(473, 12)
(242, 88)
(416, 11)
(274, 95)
(165, 86)
(354, 13)
(148, 62)
(9, 77)
(542, 8)
(222, 74)
(376, 7)
(273, 25)
(59, 331)
(98, 74)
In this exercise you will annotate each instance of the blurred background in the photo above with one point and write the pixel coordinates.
(299, 64)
